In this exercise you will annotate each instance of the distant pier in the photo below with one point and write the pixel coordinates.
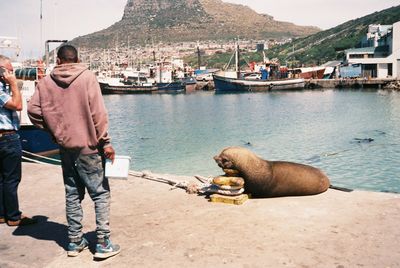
(356, 83)
(348, 83)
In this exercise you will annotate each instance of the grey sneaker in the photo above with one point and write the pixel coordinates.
(106, 249)
(75, 248)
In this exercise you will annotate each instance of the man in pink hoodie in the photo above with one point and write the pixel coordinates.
(68, 103)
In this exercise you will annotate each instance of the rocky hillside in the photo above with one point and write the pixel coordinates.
(146, 21)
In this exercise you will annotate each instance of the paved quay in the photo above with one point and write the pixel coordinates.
(160, 227)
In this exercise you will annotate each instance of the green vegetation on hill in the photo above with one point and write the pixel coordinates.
(317, 48)
(330, 44)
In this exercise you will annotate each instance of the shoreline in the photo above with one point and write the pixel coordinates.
(160, 227)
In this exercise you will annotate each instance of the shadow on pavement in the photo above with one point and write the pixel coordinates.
(45, 230)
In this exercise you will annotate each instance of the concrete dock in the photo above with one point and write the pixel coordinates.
(348, 83)
(160, 227)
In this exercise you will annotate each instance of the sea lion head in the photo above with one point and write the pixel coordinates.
(255, 171)
(239, 158)
(223, 160)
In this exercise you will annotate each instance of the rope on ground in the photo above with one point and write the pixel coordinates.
(205, 187)
(150, 176)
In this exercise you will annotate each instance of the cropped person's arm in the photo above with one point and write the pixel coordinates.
(100, 117)
(35, 110)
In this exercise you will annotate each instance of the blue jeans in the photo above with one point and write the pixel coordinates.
(10, 176)
(82, 172)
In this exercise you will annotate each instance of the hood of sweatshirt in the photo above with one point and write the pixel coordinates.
(65, 74)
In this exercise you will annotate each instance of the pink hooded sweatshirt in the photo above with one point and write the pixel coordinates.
(68, 103)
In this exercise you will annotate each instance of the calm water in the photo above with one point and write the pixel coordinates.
(179, 134)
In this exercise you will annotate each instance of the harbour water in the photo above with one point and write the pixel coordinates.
(353, 136)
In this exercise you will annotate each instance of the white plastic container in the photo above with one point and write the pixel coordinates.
(119, 169)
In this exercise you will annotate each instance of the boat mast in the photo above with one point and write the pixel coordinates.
(237, 67)
(198, 56)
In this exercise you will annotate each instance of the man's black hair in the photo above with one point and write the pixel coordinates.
(67, 54)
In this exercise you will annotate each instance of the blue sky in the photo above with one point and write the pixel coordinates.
(67, 19)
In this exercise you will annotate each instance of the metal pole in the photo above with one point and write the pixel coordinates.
(41, 24)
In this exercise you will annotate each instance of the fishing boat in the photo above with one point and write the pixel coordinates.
(235, 81)
(166, 78)
(171, 87)
(224, 83)
(112, 85)
(107, 88)
(190, 83)
(115, 86)
(140, 82)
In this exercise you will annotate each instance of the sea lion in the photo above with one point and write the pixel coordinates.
(272, 178)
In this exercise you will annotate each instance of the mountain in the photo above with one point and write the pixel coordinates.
(330, 44)
(146, 21)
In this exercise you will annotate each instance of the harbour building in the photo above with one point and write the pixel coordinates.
(379, 54)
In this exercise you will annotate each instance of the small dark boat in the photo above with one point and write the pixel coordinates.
(172, 87)
(107, 88)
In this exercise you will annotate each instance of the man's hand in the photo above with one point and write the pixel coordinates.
(9, 77)
(15, 103)
(109, 153)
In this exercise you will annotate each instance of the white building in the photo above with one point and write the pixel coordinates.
(381, 56)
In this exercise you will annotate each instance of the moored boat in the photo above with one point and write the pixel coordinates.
(109, 87)
(171, 87)
(190, 84)
(138, 83)
(227, 84)
(115, 86)
(125, 89)
(234, 81)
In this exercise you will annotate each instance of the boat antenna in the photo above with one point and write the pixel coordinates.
(41, 23)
